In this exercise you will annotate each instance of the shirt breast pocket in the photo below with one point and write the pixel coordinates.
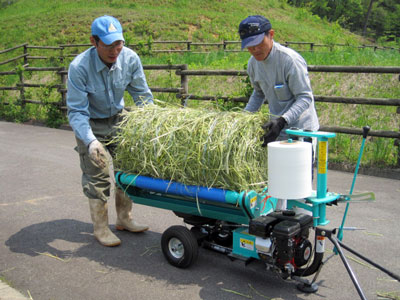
(120, 85)
(282, 92)
(119, 89)
(96, 91)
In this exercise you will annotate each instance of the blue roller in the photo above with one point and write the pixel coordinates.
(179, 189)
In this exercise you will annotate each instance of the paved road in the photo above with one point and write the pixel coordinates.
(48, 252)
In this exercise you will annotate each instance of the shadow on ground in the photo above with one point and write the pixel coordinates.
(141, 254)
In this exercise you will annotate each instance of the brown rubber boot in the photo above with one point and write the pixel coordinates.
(99, 214)
(123, 206)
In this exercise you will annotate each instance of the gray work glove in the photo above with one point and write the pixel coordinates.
(97, 153)
(273, 129)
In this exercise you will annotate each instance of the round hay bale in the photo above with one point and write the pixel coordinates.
(193, 147)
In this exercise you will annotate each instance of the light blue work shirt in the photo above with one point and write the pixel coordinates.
(96, 91)
(282, 81)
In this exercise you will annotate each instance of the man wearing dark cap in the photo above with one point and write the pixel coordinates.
(279, 77)
(97, 80)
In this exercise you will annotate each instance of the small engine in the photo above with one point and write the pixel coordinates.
(286, 233)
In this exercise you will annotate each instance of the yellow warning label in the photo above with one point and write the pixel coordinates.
(253, 202)
(322, 157)
(247, 244)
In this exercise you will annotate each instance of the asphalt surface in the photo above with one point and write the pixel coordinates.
(48, 250)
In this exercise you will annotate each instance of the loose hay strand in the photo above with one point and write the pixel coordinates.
(388, 295)
(193, 146)
(53, 256)
(237, 293)
(29, 294)
(258, 293)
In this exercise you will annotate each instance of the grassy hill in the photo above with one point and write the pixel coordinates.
(42, 22)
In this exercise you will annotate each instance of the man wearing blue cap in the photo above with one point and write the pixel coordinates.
(279, 77)
(97, 80)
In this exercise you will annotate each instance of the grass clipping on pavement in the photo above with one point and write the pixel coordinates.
(193, 146)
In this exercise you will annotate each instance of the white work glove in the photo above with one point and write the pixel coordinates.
(97, 153)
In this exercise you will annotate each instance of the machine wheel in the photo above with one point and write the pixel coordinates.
(179, 246)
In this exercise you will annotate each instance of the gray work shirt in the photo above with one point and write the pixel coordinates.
(282, 81)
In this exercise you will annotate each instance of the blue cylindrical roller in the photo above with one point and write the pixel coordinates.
(175, 188)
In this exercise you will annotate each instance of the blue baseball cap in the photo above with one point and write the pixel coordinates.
(108, 29)
(252, 30)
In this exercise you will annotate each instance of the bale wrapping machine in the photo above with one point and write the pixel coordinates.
(249, 225)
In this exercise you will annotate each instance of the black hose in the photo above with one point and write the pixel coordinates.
(311, 269)
(317, 261)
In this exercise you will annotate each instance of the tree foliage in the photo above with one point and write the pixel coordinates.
(382, 22)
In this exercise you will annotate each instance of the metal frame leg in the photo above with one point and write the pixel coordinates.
(353, 277)
(330, 234)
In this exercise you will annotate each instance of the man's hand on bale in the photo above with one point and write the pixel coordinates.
(273, 129)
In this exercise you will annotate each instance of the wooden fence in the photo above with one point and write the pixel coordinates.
(226, 46)
(182, 91)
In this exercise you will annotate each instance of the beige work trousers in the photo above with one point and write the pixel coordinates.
(96, 181)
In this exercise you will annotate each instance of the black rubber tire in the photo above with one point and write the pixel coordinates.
(179, 246)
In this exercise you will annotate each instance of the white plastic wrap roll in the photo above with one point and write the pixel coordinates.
(289, 169)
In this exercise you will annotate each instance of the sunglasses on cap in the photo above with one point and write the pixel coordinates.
(118, 45)
(251, 29)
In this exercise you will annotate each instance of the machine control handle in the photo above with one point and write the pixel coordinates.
(365, 131)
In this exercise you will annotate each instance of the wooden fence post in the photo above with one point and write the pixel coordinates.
(63, 87)
(21, 78)
(25, 54)
(184, 83)
(62, 55)
(397, 142)
(22, 89)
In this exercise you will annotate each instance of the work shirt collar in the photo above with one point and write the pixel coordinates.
(271, 53)
(100, 65)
